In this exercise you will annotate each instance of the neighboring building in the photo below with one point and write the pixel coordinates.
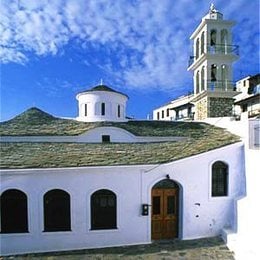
(102, 103)
(247, 103)
(178, 109)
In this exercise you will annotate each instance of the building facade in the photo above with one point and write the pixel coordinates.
(247, 103)
(92, 207)
(178, 109)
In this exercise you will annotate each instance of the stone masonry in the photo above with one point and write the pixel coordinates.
(213, 107)
(220, 107)
(201, 110)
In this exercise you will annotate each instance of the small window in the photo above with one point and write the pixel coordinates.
(156, 205)
(162, 113)
(219, 179)
(244, 107)
(118, 111)
(158, 116)
(103, 109)
(168, 112)
(171, 205)
(86, 109)
(105, 138)
(56, 211)
(103, 210)
(14, 212)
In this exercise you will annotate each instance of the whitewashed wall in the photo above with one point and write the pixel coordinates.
(117, 135)
(93, 99)
(132, 185)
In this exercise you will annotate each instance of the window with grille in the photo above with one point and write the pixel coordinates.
(14, 212)
(56, 211)
(105, 138)
(219, 179)
(103, 210)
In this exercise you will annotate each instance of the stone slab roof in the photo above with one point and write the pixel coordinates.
(202, 137)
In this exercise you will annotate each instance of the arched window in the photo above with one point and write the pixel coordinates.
(224, 40)
(56, 211)
(202, 79)
(103, 210)
(197, 82)
(213, 72)
(14, 212)
(213, 37)
(219, 179)
(197, 48)
(202, 42)
(103, 109)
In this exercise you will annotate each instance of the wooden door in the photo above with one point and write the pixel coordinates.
(164, 213)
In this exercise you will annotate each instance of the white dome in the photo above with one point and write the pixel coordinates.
(102, 103)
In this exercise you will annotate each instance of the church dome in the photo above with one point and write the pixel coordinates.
(101, 103)
(103, 88)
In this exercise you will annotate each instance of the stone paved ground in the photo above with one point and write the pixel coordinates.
(199, 249)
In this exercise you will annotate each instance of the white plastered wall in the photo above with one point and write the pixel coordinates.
(94, 99)
(132, 185)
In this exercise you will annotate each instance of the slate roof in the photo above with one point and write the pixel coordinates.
(202, 137)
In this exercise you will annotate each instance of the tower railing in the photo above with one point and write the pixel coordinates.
(221, 85)
(215, 49)
(223, 49)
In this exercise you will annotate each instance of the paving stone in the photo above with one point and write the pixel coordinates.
(199, 249)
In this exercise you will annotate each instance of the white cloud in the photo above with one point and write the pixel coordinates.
(148, 40)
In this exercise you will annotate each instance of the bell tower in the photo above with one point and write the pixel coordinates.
(211, 63)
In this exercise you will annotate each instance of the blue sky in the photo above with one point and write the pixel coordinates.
(51, 50)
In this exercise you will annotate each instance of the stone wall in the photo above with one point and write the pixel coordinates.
(219, 107)
(201, 111)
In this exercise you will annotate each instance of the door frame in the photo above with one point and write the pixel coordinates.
(180, 207)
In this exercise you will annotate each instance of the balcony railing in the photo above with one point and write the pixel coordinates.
(220, 85)
(216, 49)
(223, 49)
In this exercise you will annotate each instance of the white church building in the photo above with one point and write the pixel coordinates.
(102, 180)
